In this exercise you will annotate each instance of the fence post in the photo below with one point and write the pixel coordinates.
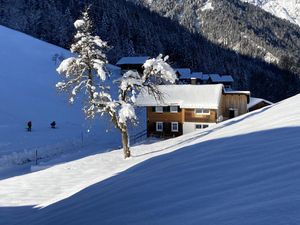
(36, 157)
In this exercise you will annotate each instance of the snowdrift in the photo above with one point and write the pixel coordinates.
(243, 171)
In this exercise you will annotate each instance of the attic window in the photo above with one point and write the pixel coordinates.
(174, 109)
(202, 111)
(159, 109)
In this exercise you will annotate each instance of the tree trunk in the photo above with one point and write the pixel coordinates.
(125, 143)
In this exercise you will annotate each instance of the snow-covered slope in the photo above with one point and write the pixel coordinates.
(285, 9)
(243, 171)
(27, 92)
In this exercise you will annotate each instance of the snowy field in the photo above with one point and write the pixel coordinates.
(27, 92)
(242, 171)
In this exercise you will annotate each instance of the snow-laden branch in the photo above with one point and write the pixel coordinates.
(85, 71)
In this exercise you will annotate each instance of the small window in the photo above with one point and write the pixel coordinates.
(174, 109)
(159, 126)
(198, 126)
(202, 111)
(174, 126)
(201, 126)
(159, 109)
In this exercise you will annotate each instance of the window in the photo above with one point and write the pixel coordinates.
(159, 109)
(198, 126)
(174, 109)
(202, 111)
(159, 126)
(201, 126)
(174, 126)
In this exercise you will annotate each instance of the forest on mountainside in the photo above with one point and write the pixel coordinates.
(133, 29)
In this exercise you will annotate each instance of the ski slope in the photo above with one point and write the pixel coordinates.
(27, 92)
(242, 171)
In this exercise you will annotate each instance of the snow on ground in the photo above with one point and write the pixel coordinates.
(242, 171)
(285, 9)
(27, 92)
(208, 6)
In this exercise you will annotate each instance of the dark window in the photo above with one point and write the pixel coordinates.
(159, 126)
(174, 127)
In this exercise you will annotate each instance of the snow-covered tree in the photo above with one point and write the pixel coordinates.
(85, 71)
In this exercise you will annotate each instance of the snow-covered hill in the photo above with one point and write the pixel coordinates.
(243, 171)
(285, 9)
(27, 92)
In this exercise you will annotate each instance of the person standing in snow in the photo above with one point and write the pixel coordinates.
(29, 125)
(53, 124)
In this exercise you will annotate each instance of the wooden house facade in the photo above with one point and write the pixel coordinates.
(187, 108)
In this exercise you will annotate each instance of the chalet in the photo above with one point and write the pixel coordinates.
(186, 108)
(132, 63)
(257, 103)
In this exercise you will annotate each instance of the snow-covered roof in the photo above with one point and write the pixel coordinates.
(185, 96)
(255, 101)
(215, 77)
(230, 91)
(135, 60)
(227, 78)
(185, 73)
(218, 78)
(114, 70)
(200, 76)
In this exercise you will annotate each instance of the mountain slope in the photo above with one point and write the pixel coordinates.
(285, 9)
(225, 37)
(238, 26)
(27, 92)
(242, 171)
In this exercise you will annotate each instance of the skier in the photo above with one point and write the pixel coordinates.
(29, 125)
(53, 124)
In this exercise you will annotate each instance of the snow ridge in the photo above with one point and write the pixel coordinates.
(285, 9)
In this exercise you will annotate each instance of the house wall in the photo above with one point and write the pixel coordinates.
(186, 118)
(190, 116)
(166, 118)
(135, 67)
(236, 101)
(189, 127)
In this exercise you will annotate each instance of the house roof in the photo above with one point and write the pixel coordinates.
(255, 101)
(227, 78)
(185, 96)
(218, 78)
(200, 76)
(134, 60)
(229, 91)
(184, 73)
